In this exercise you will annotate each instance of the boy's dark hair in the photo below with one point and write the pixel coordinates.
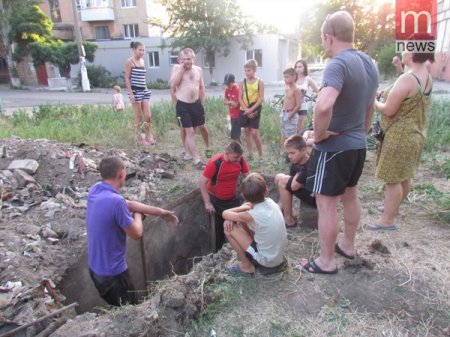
(228, 79)
(305, 66)
(234, 147)
(292, 72)
(110, 166)
(253, 188)
(295, 142)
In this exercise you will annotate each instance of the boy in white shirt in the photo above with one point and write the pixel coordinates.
(255, 229)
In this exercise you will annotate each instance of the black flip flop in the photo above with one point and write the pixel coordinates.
(313, 268)
(339, 251)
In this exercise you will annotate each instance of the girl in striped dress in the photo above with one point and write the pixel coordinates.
(135, 82)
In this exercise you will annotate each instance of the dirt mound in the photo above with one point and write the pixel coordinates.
(43, 188)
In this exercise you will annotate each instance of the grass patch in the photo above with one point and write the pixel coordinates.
(224, 295)
(438, 125)
(436, 202)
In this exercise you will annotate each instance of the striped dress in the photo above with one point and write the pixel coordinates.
(138, 83)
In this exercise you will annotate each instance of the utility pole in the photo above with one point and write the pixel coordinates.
(85, 85)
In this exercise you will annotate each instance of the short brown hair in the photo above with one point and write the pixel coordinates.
(234, 147)
(295, 142)
(110, 166)
(254, 188)
(290, 71)
(252, 64)
(340, 25)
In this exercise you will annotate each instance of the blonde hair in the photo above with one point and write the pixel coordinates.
(187, 51)
(340, 25)
(252, 64)
(117, 88)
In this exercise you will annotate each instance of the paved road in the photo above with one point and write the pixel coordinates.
(28, 98)
(34, 96)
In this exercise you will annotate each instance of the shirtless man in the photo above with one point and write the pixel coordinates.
(188, 95)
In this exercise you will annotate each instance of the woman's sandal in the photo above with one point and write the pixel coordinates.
(208, 153)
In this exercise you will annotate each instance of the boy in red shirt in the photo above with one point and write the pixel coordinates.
(218, 185)
(232, 100)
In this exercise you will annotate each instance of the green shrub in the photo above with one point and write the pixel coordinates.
(99, 77)
(158, 84)
(385, 60)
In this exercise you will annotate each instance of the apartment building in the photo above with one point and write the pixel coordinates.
(104, 19)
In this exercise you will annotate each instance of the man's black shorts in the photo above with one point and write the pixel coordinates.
(252, 123)
(330, 173)
(115, 290)
(190, 115)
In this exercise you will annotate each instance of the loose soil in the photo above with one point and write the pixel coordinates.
(397, 286)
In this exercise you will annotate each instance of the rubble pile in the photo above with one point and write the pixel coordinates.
(43, 191)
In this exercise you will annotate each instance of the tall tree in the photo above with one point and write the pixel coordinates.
(29, 25)
(31, 30)
(374, 25)
(6, 7)
(205, 24)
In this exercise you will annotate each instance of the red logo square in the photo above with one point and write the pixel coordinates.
(415, 16)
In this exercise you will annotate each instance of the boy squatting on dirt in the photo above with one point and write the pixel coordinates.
(255, 229)
(294, 183)
(108, 222)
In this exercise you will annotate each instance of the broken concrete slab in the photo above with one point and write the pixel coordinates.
(30, 166)
(23, 178)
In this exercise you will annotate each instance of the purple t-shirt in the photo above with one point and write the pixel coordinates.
(107, 215)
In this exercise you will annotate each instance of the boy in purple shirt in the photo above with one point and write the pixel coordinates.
(108, 222)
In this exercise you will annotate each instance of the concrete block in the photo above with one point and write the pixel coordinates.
(30, 166)
(23, 178)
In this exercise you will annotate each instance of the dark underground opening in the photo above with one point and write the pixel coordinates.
(165, 250)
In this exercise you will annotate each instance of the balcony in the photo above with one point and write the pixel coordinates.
(96, 10)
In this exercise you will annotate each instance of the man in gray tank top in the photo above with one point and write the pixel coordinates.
(342, 119)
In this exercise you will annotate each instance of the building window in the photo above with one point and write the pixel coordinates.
(174, 57)
(205, 61)
(102, 33)
(153, 59)
(255, 54)
(55, 14)
(130, 31)
(128, 3)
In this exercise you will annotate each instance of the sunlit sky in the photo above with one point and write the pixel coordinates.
(283, 14)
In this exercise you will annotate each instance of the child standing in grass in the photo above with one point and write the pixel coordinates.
(304, 83)
(256, 230)
(118, 104)
(251, 97)
(292, 96)
(232, 101)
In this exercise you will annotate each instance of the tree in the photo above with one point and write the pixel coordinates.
(31, 30)
(7, 7)
(29, 25)
(374, 26)
(205, 24)
(60, 54)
